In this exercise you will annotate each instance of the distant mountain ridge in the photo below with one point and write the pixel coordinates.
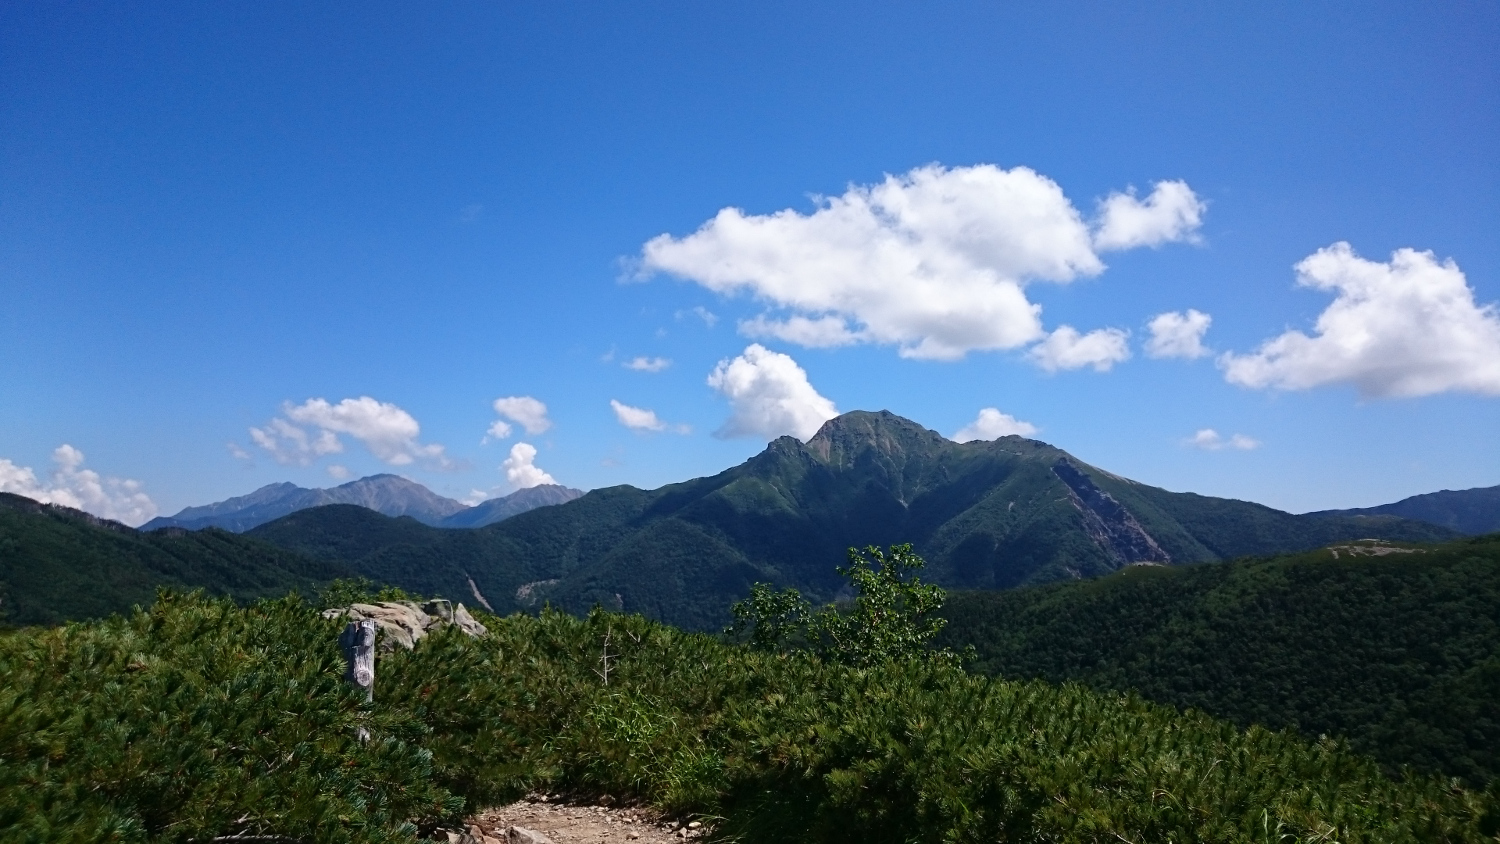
(1468, 511)
(59, 564)
(986, 515)
(390, 495)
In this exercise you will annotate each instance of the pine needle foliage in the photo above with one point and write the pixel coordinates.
(201, 719)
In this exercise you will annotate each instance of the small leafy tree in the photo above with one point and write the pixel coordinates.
(892, 617)
(772, 621)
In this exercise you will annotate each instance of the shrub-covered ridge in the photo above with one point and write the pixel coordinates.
(199, 719)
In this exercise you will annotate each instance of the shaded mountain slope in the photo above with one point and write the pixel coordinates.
(1400, 652)
(499, 509)
(984, 514)
(58, 564)
(1469, 511)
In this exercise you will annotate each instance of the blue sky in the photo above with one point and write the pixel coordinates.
(354, 219)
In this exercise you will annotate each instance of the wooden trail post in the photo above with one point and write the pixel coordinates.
(358, 644)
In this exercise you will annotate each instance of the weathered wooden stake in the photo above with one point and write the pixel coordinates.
(358, 644)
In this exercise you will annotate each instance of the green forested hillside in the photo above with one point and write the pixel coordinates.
(199, 720)
(1399, 653)
(59, 564)
(983, 514)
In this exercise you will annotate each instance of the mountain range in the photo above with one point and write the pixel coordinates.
(1468, 511)
(391, 495)
(988, 515)
(59, 564)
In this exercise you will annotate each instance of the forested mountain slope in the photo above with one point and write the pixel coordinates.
(58, 564)
(1400, 652)
(1471, 511)
(984, 514)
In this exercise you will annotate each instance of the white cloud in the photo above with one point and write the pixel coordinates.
(934, 261)
(769, 396)
(1209, 440)
(1172, 212)
(645, 364)
(522, 410)
(475, 497)
(991, 424)
(1178, 335)
(338, 472)
(291, 445)
(823, 332)
(311, 430)
(237, 452)
(1065, 348)
(1407, 327)
(643, 419)
(521, 469)
(71, 485)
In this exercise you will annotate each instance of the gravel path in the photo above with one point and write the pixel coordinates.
(567, 823)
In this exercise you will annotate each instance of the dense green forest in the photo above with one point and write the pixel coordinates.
(1399, 653)
(199, 718)
(58, 564)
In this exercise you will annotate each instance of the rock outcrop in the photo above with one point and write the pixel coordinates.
(404, 623)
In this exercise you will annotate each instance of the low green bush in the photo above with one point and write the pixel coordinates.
(199, 719)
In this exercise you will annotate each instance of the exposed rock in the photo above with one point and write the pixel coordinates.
(522, 835)
(404, 623)
(1112, 527)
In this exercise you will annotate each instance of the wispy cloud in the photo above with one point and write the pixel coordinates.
(643, 419)
(645, 364)
(1209, 440)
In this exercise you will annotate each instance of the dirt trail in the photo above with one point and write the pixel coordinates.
(566, 823)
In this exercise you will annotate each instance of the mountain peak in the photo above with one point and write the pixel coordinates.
(844, 439)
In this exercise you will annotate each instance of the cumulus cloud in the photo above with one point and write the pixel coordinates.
(933, 261)
(1065, 348)
(991, 424)
(521, 469)
(1398, 329)
(337, 472)
(522, 410)
(769, 396)
(304, 432)
(1172, 212)
(1209, 440)
(1178, 335)
(71, 485)
(645, 364)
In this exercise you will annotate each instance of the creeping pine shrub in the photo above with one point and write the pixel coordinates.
(198, 719)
